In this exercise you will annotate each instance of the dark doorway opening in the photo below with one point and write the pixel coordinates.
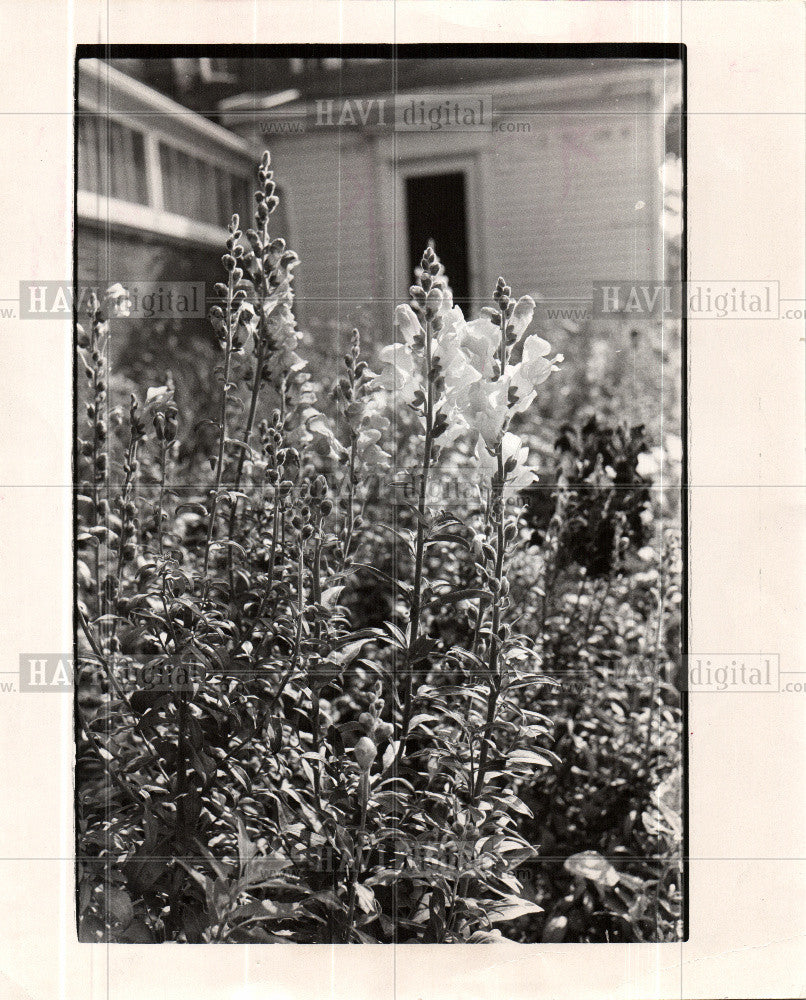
(436, 209)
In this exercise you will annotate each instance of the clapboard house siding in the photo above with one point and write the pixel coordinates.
(563, 191)
(578, 202)
(328, 191)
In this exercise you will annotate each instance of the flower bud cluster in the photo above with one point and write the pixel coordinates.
(237, 321)
(93, 348)
(166, 424)
(370, 719)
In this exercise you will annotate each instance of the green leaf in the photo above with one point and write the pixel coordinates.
(455, 596)
(246, 849)
(541, 758)
(267, 909)
(486, 937)
(261, 869)
(119, 906)
(385, 577)
(365, 898)
(194, 508)
(591, 865)
(450, 537)
(510, 908)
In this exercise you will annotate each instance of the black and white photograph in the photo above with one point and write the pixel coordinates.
(402, 491)
(380, 539)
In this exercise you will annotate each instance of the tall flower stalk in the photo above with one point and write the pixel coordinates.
(419, 323)
(267, 267)
(93, 350)
(223, 324)
(503, 534)
(234, 325)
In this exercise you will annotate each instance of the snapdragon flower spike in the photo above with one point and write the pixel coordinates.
(269, 266)
(408, 372)
(532, 370)
(362, 409)
(503, 389)
(500, 389)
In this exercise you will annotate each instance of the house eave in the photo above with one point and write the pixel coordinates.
(507, 96)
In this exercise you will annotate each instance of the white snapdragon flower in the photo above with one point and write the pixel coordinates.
(407, 324)
(522, 316)
(483, 407)
(400, 372)
(480, 345)
(372, 433)
(515, 454)
(456, 370)
(533, 369)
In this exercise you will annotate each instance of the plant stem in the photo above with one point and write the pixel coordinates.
(247, 436)
(350, 512)
(493, 677)
(497, 514)
(481, 606)
(131, 458)
(355, 872)
(419, 553)
(95, 646)
(99, 750)
(96, 347)
(222, 435)
(161, 496)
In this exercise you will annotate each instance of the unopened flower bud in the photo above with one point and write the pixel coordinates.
(365, 752)
(384, 730)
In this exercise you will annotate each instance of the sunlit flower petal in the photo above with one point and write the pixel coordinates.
(483, 406)
(480, 343)
(117, 301)
(533, 369)
(515, 454)
(456, 369)
(522, 316)
(406, 323)
(399, 373)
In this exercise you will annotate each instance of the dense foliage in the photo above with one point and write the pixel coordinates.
(332, 686)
